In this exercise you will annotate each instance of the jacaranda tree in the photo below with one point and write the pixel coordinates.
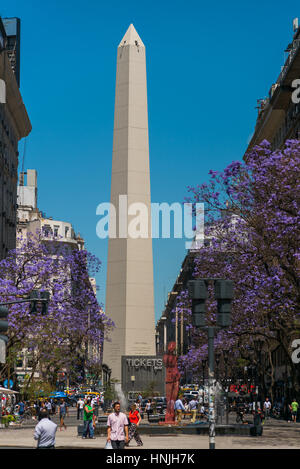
(252, 237)
(59, 339)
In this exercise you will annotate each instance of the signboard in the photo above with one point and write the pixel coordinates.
(6, 383)
(154, 363)
(141, 372)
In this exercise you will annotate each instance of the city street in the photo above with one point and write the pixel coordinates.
(149, 231)
(284, 437)
(276, 435)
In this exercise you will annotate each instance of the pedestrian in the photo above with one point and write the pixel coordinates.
(202, 412)
(88, 420)
(134, 418)
(193, 405)
(63, 411)
(53, 407)
(179, 407)
(138, 405)
(267, 408)
(80, 406)
(45, 431)
(148, 408)
(48, 407)
(117, 427)
(294, 409)
(41, 406)
(21, 408)
(186, 407)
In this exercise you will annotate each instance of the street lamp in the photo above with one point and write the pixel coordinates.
(132, 379)
(157, 342)
(164, 319)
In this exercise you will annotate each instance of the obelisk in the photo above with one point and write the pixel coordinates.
(129, 284)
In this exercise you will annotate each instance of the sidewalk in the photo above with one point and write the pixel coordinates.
(286, 437)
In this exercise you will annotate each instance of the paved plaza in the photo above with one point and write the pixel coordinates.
(275, 436)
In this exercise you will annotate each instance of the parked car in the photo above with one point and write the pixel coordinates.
(160, 405)
(191, 395)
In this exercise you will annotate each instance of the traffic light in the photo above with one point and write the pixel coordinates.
(198, 293)
(3, 329)
(34, 295)
(45, 295)
(224, 296)
(41, 298)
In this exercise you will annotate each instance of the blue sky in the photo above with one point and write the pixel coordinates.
(207, 63)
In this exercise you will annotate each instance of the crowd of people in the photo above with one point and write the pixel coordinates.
(122, 428)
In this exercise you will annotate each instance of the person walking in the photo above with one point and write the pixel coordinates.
(80, 406)
(148, 408)
(88, 420)
(134, 418)
(48, 407)
(63, 411)
(193, 405)
(53, 405)
(294, 409)
(117, 427)
(45, 431)
(21, 408)
(267, 408)
(178, 407)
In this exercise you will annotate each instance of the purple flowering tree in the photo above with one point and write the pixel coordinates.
(58, 340)
(252, 237)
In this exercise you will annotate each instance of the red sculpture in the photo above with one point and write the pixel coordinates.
(172, 381)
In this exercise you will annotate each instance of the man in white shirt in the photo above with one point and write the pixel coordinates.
(267, 407)
(80, 406)
(117, 428)
(45, 431)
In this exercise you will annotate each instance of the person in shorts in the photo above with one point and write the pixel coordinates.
(63, 411)
(294, 410)
(267, 408)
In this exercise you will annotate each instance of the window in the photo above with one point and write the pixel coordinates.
(47, 231)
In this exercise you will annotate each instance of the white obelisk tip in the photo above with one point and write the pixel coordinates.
(131, 38)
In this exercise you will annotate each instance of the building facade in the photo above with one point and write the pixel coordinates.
(31, 220)
(14, 125)
(279, 113)
(278, 120)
